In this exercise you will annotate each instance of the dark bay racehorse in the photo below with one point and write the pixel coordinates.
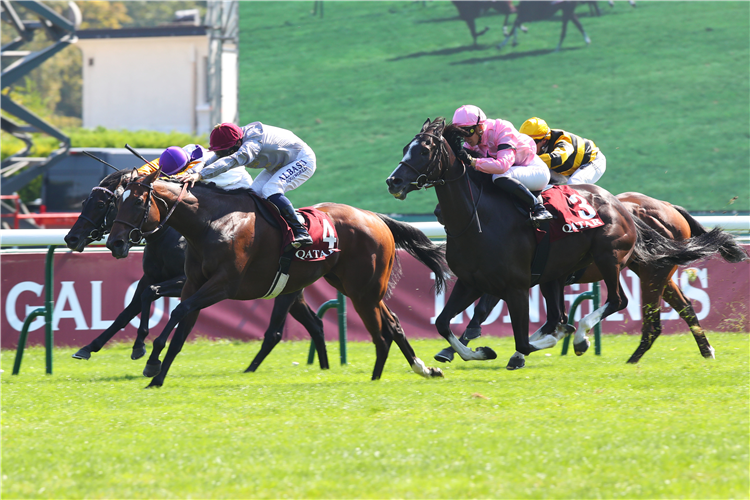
(529, 11)
(673, 222)
(490, 244)
(233, 253)
(164, 276)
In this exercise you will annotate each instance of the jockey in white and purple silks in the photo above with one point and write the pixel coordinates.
(507, 154)
(176, 160)
(286, 160)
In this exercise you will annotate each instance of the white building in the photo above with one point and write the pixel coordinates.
(155, 79)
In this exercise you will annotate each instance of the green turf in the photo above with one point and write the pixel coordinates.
(663, 89)
(673, 426)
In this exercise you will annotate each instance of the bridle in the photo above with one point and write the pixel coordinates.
(136, 234)
(102, 228)
(435, 164)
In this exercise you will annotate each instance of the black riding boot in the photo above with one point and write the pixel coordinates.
(301, 236)
(522, 193)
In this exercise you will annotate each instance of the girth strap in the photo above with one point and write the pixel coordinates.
(541, 254)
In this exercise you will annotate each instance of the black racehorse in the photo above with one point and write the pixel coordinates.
(490, 244)
(671, 221)
(164, 276)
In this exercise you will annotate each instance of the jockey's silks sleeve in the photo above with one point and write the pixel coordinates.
(567, 152)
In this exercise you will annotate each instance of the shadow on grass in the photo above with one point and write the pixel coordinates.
(511, 56)
(441, 52)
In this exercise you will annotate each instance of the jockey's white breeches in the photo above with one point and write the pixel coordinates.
(234, 178)
(535, 175)
(590, 172)
(286, 178)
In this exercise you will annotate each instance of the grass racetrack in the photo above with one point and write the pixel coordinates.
(663, 90)
(673, 426)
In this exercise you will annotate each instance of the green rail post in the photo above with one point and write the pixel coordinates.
(340, 304)
(46, 311)
(593, 294)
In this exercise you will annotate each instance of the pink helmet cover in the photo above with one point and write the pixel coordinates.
(468, 115)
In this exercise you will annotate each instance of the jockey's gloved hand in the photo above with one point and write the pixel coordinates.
(465, 157)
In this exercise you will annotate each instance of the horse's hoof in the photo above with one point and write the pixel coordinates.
(251, 368)
(567, 329)
(446, 355)
(708, 355)
(82, 354)
(581, 347)
(153, 385)
(488, 352)
(516, 363)
(152, 369)
(435, 372)
(138, 353)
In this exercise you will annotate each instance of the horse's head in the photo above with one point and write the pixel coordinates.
(137, 215)
(426, 161)
(98, 213)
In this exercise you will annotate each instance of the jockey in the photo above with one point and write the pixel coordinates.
(506, 154)
(287, 162)
(576, 158)
(176, 160)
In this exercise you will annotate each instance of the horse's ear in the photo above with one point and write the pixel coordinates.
(426, 124)
(150, 178)
(439, 124)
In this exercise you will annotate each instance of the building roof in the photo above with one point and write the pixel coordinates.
(155, 31)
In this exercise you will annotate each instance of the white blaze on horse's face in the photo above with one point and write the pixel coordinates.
(408, 157)
(125, 195)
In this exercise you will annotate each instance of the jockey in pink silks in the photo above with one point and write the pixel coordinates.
(507, 154)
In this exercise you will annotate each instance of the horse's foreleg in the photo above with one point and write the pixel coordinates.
(303, 313)
(609, 266)
(393, 325)
(460, 298)
(518, 308)
(175, 346)
(474, 329)
(122, 320)
(272, 336)
(675, 298)
(169, 288)
(211, 292)
(652, 289)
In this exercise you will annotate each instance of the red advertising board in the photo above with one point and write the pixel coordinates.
(92, 288)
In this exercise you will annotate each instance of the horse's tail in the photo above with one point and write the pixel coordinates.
(730, 250)
(420, 247)
(652, 248)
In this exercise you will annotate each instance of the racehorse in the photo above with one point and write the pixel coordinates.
(533, 11)
(490, 244)
(233, 253)
(671, 221)
(164, 276)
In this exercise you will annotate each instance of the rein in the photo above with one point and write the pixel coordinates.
(138, 230)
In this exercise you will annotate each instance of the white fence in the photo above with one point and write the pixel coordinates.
(736, 224)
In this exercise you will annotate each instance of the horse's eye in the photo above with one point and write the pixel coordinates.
(139, 202)
(100, 204)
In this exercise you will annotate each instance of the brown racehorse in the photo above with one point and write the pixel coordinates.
(490, 244)
(671, 221)
(164, 276)
(233, 253)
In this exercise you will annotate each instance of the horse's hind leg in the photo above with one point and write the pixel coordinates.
(460, 298)
(169, 288)
(122, 320)
(396, 332)
(675, 298)
(609, 266)
(652, 288)
(303, 313)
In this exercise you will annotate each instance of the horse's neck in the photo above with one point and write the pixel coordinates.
(187, 219)
(458, 202)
